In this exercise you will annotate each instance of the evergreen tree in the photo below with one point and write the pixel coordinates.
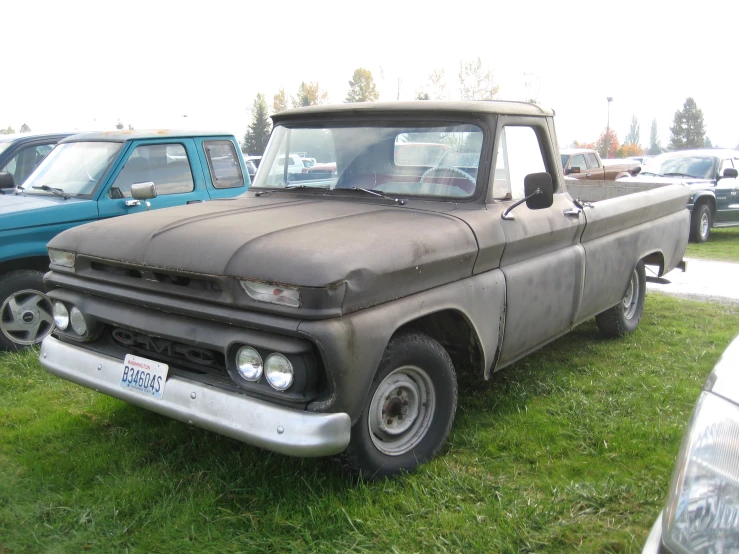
(362, 87)
(420, 95)
(25, 128)
(634, 135)
(688, 130)
(654, 146)
(255, 138)
(8, 131)
(119, 125)
(708, 143)
(279, 101)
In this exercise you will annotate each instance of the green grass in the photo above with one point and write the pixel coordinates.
(570, 449)
(723, 244)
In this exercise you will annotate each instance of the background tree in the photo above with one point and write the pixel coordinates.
(8, 131)
(707, 143)
(362, 87)
(119, 125)
(279, 101)
(628, 150)
(634, 134)
(255, 138)
(654, 146)
(309, 94)
(578, 144)
(25, 128)
(420, 95)
(476, 81)
(688, 130)
(612, 144)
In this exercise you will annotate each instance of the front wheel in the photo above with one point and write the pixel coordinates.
(700, 223)
(409, 411)
(623, 318)
(25, 311)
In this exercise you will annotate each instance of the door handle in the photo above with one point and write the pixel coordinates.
(132, 203)
(194, 201)
(573, 211)
(588, 174)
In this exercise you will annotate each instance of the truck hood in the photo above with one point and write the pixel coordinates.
(378, 252)
(18, 211)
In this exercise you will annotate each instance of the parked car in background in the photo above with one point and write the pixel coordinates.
(712, 176)
(702, 507)
(21, 154)
(582, 163)
(308, 162)
(253, 159)
(98, 176)
(251, 169)
(321, 313)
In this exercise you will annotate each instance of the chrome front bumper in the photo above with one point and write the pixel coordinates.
(283, 430)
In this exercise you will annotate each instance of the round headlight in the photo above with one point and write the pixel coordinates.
(279, 371)
(61, 316)
(249, 363)
(78, 321)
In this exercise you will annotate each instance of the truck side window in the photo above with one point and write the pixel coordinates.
(519, 154)
(25, 161)
(166, 165)
(578, 161)
(592, 161)
(225, 169)
(725, 164)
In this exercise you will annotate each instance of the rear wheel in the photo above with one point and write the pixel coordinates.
(623, 318)
(25, 311)
(700, 223)
(409, 410)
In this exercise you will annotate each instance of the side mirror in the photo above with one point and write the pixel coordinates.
(729, 173)
(636, 170)
(143, 191)
(539, 191)
(6, 180)
(572, 170)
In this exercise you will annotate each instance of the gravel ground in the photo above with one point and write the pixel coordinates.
(704, 280)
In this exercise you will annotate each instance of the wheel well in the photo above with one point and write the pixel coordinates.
(655, 258)
(456, 334)
(706, 199)
(38, 263)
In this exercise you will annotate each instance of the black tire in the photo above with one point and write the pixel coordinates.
(700, 223)
(410, 360)
(623, 318)
(26, 287)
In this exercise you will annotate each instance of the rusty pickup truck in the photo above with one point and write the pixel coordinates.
(326, 313)
(581, 163)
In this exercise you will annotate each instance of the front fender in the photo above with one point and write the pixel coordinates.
(703, 196)
(352, 346)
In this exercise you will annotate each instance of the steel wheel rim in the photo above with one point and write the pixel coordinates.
(26, 317)
(704, 224)
(631, 298)
(401, 410)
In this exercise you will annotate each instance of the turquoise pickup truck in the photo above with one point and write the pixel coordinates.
(95, 176)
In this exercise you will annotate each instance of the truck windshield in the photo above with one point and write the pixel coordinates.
(73, 168)
(412, 160)
(699, 167)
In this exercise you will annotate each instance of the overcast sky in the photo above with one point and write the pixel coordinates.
(79, 65)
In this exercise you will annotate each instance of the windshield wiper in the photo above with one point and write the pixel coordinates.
(377, 193)
(58, 192)
(679, 175)
(288, 187)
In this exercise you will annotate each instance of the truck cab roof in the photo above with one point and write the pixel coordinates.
(126, 135)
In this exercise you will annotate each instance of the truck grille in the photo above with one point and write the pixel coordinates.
(196, 284)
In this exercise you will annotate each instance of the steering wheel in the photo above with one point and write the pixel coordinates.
(464, 174)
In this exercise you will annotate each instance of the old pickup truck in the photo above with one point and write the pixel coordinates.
(331, 312)
(94, 176)
(581, 163)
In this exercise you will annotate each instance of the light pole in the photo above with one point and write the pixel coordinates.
(608, 126)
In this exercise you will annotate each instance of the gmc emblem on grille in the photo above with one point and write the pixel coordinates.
(164, 346)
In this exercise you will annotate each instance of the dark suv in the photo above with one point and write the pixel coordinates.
(21, 154)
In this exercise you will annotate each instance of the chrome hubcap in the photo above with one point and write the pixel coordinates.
(704, 224)
(401, 410)
(26, 317)
(631, 298)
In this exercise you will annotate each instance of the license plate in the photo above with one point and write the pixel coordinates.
(144, 376)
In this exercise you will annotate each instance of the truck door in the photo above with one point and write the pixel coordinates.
(578, 161)
(595, 170)
(172, 165)
(727, 195)
(543, 262)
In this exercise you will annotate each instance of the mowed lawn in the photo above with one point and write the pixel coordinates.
(570, 449)
(723, 244)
